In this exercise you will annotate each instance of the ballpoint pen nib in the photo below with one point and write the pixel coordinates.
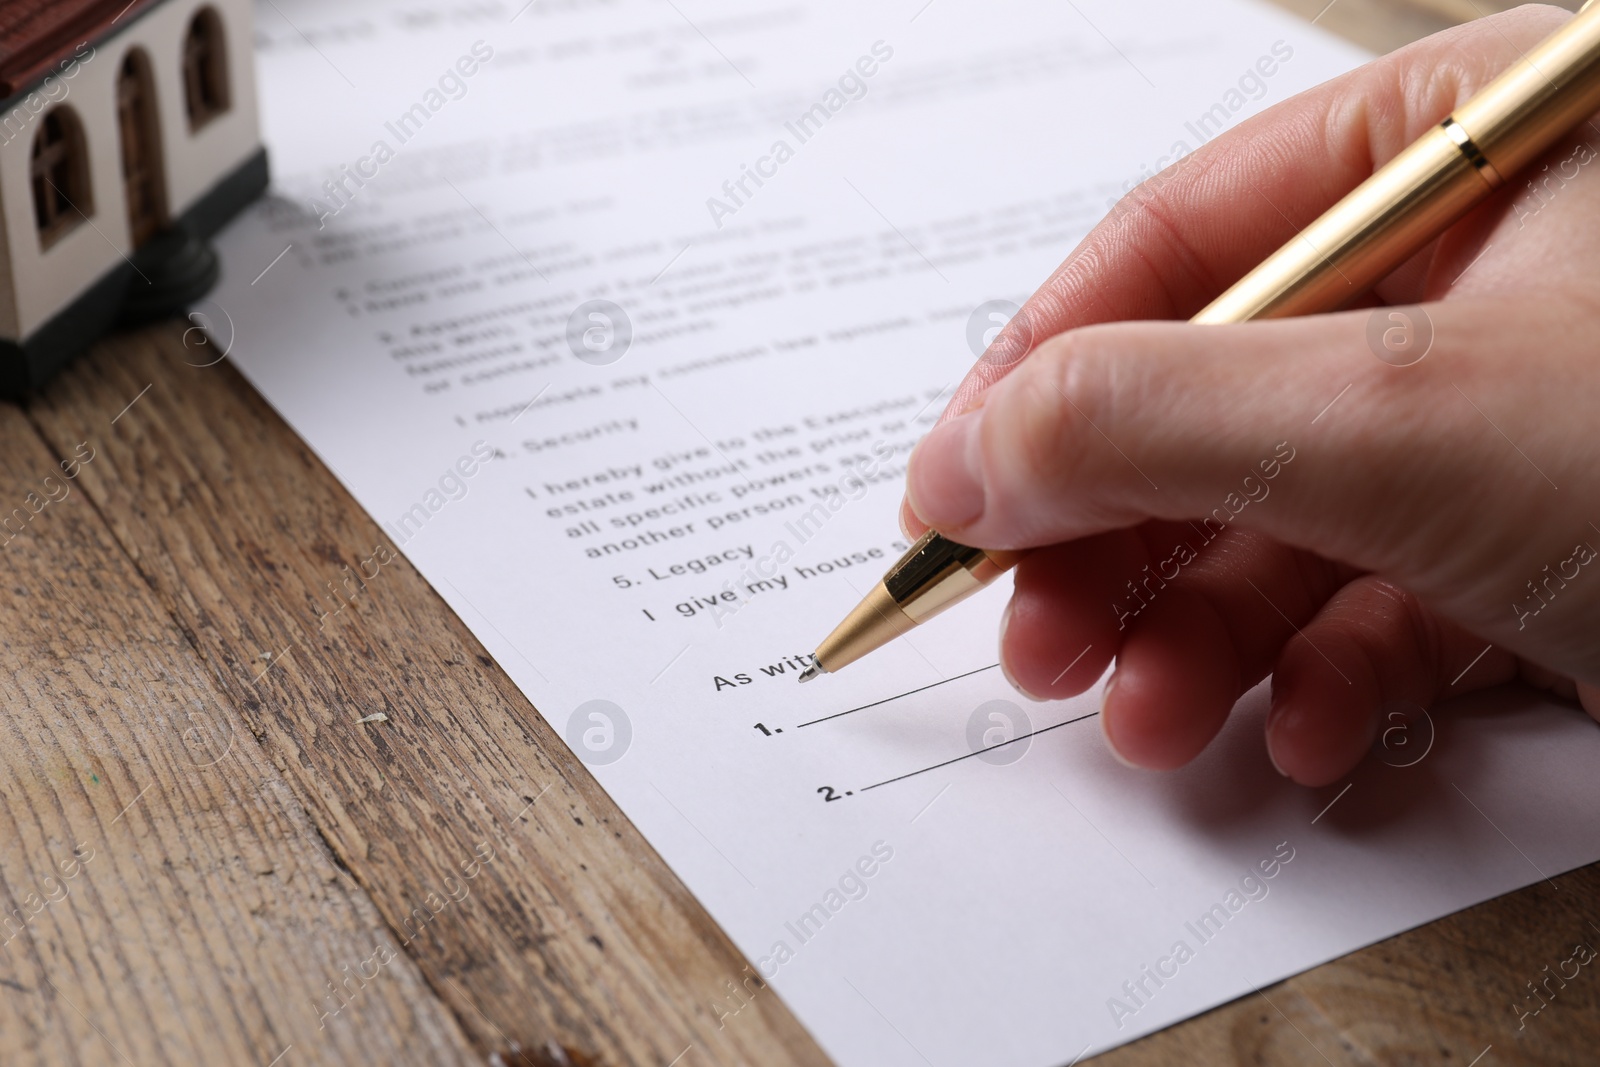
(810, 673)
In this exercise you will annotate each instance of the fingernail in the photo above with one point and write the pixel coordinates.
(945, 483)
(1274, 716)
(1274, 760)
(1105, 723)
(1005, 668)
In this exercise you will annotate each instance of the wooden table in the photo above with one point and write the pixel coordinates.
(208, 857)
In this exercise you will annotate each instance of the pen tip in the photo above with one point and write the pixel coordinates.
(810, 673)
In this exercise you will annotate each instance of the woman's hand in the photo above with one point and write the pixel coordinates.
(1399, 526)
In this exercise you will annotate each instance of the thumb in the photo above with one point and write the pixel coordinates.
(1294, 429)
(1109, 426)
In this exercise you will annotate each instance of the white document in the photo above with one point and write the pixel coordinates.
(803, 209)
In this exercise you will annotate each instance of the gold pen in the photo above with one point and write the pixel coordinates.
(1356, 243)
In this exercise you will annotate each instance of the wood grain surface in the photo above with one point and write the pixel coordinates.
(238, 829)
(167, 898)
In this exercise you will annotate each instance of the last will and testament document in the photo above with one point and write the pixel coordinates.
(622, 317)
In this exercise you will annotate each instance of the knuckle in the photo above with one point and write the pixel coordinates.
(1066, 401)
(1405, 621)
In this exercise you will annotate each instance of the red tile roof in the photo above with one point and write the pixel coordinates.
(35, 35)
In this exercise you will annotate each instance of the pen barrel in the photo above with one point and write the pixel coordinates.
(1362, 238)
(1541, 96)
(934, 574)
(1434, 182)
(937, 573)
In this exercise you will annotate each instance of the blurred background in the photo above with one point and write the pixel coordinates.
(1384, 25)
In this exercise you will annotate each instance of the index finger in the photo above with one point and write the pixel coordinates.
(1177, 241)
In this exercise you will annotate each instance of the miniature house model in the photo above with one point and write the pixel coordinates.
(128, 137)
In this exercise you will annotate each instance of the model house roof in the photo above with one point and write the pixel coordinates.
(35, 35)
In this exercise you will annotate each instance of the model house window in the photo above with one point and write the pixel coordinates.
(142, 179)
(205, 69)
(60, 170)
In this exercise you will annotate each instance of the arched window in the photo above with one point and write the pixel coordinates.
(205, 68)
(142, 177)
(60, 170)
